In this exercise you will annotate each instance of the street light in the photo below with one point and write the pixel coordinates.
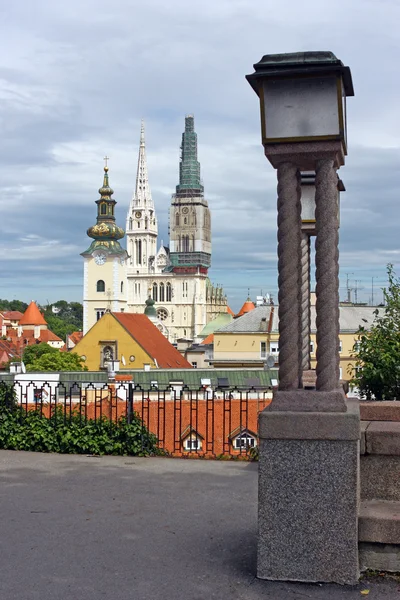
(313, 433)
(302, 97)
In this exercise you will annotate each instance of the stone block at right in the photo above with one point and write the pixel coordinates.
(308, 500)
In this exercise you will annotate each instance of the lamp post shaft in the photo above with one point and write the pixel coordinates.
(305, 301)
(289, 238)
(327, 276)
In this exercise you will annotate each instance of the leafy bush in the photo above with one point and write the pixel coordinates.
(377, 351)
(70, 433)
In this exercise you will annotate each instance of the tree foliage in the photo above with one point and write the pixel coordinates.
(13, 305)
(45, 359)
(377, 351)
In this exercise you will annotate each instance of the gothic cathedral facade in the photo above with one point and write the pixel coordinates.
(175, 277)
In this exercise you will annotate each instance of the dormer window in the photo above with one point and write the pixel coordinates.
(192, 440)
(243, 439)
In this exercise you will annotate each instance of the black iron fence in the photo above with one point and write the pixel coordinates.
(205, 422)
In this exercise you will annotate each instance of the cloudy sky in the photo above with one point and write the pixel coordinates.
(76, 77)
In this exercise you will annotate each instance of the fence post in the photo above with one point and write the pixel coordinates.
(130, 402)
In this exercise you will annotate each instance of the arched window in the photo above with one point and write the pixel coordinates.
(101, 286)
(169, 292)
(122, 286)
(185, 243)
(185, 221)
(139, 252)
(130, 223)
(138, 224)
(193, 243)
(155, 292)
(177, 219)
(162, 296)
(103, 208)
(146, 223)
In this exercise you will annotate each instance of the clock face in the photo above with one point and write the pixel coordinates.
(100, 258)
(185, 210)
(138, 214)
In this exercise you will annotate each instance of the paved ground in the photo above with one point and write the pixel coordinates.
(76, 527)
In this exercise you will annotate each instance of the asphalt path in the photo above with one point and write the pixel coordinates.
(88, 528)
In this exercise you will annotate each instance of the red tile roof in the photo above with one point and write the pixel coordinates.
(75, 336)
(230, 311)
(247, 307)
(209, 339)
(152, 340)
(32, 316)
(12, 315)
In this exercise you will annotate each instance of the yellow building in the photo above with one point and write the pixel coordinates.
(130, 340)
(250, 339)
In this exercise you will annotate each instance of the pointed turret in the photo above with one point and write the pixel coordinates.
(141, 222)
(142, 195)
(105, 233)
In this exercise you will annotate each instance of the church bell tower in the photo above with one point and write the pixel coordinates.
(104, 262)
(190, 219)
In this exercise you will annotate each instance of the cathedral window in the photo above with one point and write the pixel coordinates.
(162, 295)
(185, 221)
(155, 292)
(185, 243)
(146, 223)
(138, 224)
(139, 252)
(177, 219)
(130, 223)
(101, 286)
(103, 208)
(169, 292)
(122, 286)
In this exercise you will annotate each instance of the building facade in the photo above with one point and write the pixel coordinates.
(175, 277)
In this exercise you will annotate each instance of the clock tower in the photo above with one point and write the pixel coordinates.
(104, 262)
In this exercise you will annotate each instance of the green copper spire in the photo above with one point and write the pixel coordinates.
(189, 167)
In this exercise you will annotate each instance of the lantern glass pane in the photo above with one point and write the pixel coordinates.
(308, 203)
(301, 108)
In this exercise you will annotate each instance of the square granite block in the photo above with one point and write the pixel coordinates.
(308, 510)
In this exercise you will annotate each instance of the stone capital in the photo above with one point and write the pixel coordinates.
(305, 154)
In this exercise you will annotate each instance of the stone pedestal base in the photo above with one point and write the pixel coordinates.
(309, 496)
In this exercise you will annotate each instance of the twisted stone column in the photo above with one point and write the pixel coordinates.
(305, 301)
(327, 276)
(289, 234)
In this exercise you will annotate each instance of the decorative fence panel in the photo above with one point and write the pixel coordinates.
(206, 422)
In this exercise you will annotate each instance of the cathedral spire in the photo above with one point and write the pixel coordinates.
(142, 196)
(189, 166)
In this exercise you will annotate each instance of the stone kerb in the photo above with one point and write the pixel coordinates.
(388, 410)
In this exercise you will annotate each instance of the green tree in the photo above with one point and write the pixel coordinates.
(377, 351)
(43, 358)
(13, 305)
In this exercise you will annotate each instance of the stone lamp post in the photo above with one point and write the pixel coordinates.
(308, 230)
(308, 470)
